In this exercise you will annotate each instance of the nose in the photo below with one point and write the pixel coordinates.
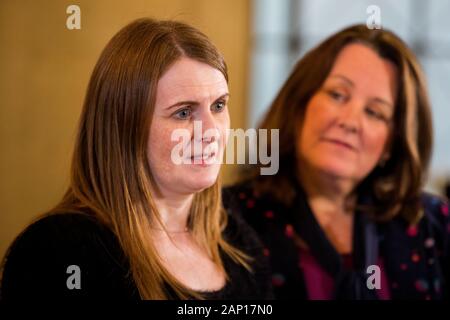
(350, 118)
(209, 131)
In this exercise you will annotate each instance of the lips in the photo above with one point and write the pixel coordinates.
(207, 158)
(341, 143)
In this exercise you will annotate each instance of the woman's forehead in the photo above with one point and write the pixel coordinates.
(190, 79)
(360, 66)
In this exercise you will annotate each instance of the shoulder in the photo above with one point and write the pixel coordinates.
(240, 205)
(431, 232)
(434, 221)
(419, 251)
(244, 197)
(244, 227)
(243, 236)
(63, 222)
(436, 217)
(237, 195)
(261, 211)
(238, 232)
(436, 208)
(60, 231)
(40, 258)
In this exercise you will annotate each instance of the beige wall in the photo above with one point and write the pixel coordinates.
(44, 70)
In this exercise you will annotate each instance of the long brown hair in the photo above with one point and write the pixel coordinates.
(110, 175)
(395, 187)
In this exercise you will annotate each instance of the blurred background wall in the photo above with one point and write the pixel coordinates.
(45, 68)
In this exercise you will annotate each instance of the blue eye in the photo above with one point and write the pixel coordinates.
(183, 114)
(218, 106)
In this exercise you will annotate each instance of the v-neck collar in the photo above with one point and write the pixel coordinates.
(365, 239)
(307, 227)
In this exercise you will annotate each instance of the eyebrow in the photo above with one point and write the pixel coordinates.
(194, 103)
(352, 84)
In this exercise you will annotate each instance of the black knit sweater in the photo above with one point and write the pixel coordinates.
(36, 265)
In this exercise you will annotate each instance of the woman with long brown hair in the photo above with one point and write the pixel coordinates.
(346, 216)
(136, 222)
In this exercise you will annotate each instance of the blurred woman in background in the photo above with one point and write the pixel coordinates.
(346, 216)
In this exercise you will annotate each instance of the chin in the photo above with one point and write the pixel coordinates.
(200, 185)
(200, 181)
(337, 168)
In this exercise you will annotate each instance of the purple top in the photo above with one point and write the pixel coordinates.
(320, 285)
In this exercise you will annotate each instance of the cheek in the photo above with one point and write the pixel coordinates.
(375, 143)
(316, 121)
(223, 126)
(159, 146)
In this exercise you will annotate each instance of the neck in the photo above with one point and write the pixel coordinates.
(326, 192)
(174, 211)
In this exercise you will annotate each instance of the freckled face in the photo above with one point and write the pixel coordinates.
(190, 93)
(347, 122)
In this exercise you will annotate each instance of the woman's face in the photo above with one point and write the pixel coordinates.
(190, 94)
(347, 122)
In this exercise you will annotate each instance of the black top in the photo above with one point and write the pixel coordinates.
(416, 259)
(38, 261)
